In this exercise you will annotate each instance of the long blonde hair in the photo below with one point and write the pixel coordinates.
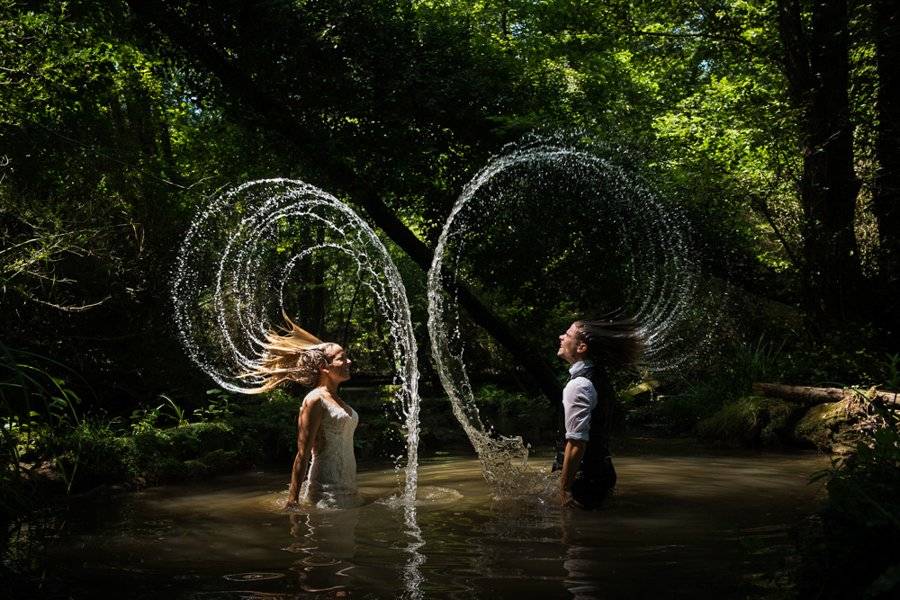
(296, 355)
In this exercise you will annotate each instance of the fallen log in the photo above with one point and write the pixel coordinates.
(818, 395)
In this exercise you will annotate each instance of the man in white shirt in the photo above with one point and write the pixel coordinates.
(587, 471)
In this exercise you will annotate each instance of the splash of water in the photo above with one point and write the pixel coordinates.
(622, 249)
(238, 267)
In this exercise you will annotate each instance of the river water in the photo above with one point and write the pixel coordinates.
(686, 522)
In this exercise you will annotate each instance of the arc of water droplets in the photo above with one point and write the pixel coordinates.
(662, 302)
(223, 313)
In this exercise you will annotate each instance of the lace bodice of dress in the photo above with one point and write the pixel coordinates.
(332, 470)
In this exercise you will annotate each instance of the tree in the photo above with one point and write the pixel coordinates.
(330, 96)
(816, 65)
(886, 197)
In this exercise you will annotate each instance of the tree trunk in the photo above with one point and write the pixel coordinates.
(317, 281)
(276, 115)
(815, 395)
(816, 64)
(886, 196)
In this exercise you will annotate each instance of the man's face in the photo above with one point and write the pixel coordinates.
(571, 349)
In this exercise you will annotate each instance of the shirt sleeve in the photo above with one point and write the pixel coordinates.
(579, 398)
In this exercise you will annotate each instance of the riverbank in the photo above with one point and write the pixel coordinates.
(847, 542)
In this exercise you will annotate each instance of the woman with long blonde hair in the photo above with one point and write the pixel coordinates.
(324, 469)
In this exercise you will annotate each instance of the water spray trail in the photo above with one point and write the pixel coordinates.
(650, 255)
(239, 255)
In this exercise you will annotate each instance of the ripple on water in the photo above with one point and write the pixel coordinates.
(425, 496)
(253, 576)
(242, 595)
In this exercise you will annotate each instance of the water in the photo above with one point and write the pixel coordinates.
(238, 272)
(614, 246)
(684, 523)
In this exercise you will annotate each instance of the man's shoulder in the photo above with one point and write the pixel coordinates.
(580, 382)
(579, 386)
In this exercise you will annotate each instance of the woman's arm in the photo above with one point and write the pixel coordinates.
(307, 429)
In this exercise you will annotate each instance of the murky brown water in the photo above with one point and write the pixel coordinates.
(685, 523)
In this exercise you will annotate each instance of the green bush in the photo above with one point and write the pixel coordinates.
(173, 453)
(265, 426)
(726, 379)
(751, 421)
(196, 439)
(92, 454)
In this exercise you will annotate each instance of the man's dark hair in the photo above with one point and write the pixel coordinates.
(612, 341)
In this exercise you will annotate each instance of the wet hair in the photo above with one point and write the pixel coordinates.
(296, 355)
(612, 341)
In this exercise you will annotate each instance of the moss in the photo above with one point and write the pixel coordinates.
(821, 424)
(222, 461)
(167, 469)
(195, 469)
(751, 421)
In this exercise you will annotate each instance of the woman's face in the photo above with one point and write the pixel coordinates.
(338, 367)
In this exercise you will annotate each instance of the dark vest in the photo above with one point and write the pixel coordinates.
(593, 463)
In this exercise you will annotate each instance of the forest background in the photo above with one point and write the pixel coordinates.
(772, 124)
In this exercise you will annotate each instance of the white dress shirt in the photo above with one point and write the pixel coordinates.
(579, 399)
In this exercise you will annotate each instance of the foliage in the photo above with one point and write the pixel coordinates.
(35, 404)
(862, 512)
(515, 413)
(751, 421)
(165, 444)
(115, 134)
(116, 129)
(91, 454)
(729, 377)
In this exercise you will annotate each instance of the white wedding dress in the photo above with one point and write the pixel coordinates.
(332, 471)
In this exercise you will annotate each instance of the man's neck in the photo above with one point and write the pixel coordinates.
(580, 364)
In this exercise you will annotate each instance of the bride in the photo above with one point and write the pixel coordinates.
(324, 464)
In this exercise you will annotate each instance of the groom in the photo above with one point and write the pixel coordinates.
(587, 472)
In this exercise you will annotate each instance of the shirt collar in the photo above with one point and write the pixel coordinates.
(580, 367)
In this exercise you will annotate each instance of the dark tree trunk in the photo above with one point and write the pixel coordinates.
(816, 64)
(886, 197)
(313, 148)
(317, 305)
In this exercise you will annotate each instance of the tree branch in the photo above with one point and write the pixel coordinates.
(278, 117)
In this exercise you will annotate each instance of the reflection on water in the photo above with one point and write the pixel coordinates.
(412, 574)
(680, 525)
(326, 543)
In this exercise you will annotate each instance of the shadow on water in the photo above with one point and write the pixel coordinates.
(712, 525)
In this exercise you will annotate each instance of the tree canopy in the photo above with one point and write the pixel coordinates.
(119, 119)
